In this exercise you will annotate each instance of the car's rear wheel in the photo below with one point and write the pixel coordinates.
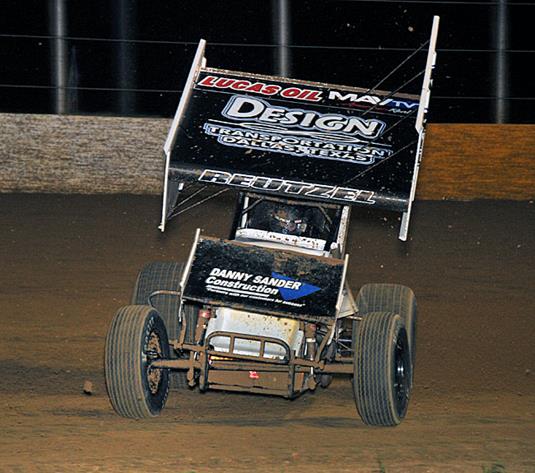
(161, 276)
(382, 369)
(391, 298)
(137, 337)
(165, 276)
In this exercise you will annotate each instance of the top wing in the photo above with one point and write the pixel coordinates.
(302, 139)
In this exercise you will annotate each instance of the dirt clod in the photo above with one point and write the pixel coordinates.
(88, 388)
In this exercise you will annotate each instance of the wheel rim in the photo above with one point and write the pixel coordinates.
(402, 374)
(153, 352)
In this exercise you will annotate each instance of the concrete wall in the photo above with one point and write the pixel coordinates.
(81, 154)
(87, 155)
(478, 162)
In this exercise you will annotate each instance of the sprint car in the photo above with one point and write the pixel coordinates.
(268, 310)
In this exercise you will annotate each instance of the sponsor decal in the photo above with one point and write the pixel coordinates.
(244, 85)
(257, 124)
(367, 101)
(303, 290)
(246, 108)
(275, 288)
(295, 145)
(340, 194)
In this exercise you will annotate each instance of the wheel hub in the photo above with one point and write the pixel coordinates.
(153, 352)
(401, 375)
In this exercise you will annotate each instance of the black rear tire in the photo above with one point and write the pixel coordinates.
(161, 276)
(137, 336)
(391, 298)
(166, 275)
(382, 369)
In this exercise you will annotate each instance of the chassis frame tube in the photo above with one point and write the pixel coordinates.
(300, 365)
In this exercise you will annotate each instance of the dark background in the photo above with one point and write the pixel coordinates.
(129, 57)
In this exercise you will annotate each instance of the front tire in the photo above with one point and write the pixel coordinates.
(382, 369)
(137, 337)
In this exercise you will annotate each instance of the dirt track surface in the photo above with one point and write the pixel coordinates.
(69, 262)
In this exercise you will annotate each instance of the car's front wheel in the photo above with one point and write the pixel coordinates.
(382, 369)
(136, 338)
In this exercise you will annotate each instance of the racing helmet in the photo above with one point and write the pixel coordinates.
(288, 220)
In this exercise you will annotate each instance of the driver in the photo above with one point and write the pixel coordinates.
(288, 220)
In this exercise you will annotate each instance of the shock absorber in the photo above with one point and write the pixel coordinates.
(200, 329)
(202, 323)
(310, 338)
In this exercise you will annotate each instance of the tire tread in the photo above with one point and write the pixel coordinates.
(384, 297)
(372, 381)
(123, 368)
(166, 275)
